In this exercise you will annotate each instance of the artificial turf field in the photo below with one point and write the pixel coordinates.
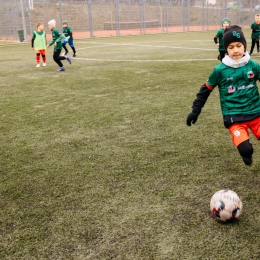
(97, 162)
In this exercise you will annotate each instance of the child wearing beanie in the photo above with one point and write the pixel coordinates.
(218, 39)
(56, 40)
(236, 78)
(67, 32)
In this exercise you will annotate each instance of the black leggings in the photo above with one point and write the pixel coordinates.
(57, 58)
(222, 55)
(66, 50)
(254, 41)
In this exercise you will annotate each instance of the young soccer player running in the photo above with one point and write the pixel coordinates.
(56, 40)
(68, 39)
(236, 78)
(218, 39)
(39, 43)
(255, 28)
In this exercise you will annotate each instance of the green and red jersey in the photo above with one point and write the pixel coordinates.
(238, 90)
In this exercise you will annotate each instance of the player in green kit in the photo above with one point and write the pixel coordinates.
(219, 36)
(68, 39)
(236, 78)
(56, 40)
(255, 28)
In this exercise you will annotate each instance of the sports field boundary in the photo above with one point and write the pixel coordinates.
(109, 33)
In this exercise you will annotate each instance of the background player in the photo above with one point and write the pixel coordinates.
(218, 39)
(68, 39)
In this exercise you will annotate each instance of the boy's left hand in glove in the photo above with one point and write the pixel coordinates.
(192, 118)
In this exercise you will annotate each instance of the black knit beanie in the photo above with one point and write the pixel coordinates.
(233, 33)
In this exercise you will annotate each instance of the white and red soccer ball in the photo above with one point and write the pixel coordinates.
(225, 205)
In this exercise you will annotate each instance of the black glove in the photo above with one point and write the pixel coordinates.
(192, 118)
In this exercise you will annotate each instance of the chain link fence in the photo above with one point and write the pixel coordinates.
(96, 18)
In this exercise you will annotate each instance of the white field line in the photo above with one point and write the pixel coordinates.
(91, 47)
(100, 45)
(189, 41)
(107, 60)
(141, 45)
(147, 45)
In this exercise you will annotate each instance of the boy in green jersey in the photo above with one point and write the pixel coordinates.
(219, 36)
(39, 43)
(68, 39)
(56, 40)
(236, 78)
(255, 28)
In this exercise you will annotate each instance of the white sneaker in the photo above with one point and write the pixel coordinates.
(38, 65)
(44, 64)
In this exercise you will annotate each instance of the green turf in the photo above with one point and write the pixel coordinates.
(97, 162)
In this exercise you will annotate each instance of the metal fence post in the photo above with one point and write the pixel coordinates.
(167, 7)
(90, 18)
(182, 15)
(117, 15)
(144, 18)
(202, 9)
(188, 22)
(24, 24)
(29, 16)
(61, 16)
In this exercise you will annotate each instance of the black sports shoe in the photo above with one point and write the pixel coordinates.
(247, 160)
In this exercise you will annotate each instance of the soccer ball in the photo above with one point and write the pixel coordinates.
(225, 205)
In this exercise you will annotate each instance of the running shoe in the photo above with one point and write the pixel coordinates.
(68, 59)
(61, 69)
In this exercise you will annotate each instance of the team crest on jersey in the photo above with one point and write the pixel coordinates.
(250, 74)
(231, 89)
